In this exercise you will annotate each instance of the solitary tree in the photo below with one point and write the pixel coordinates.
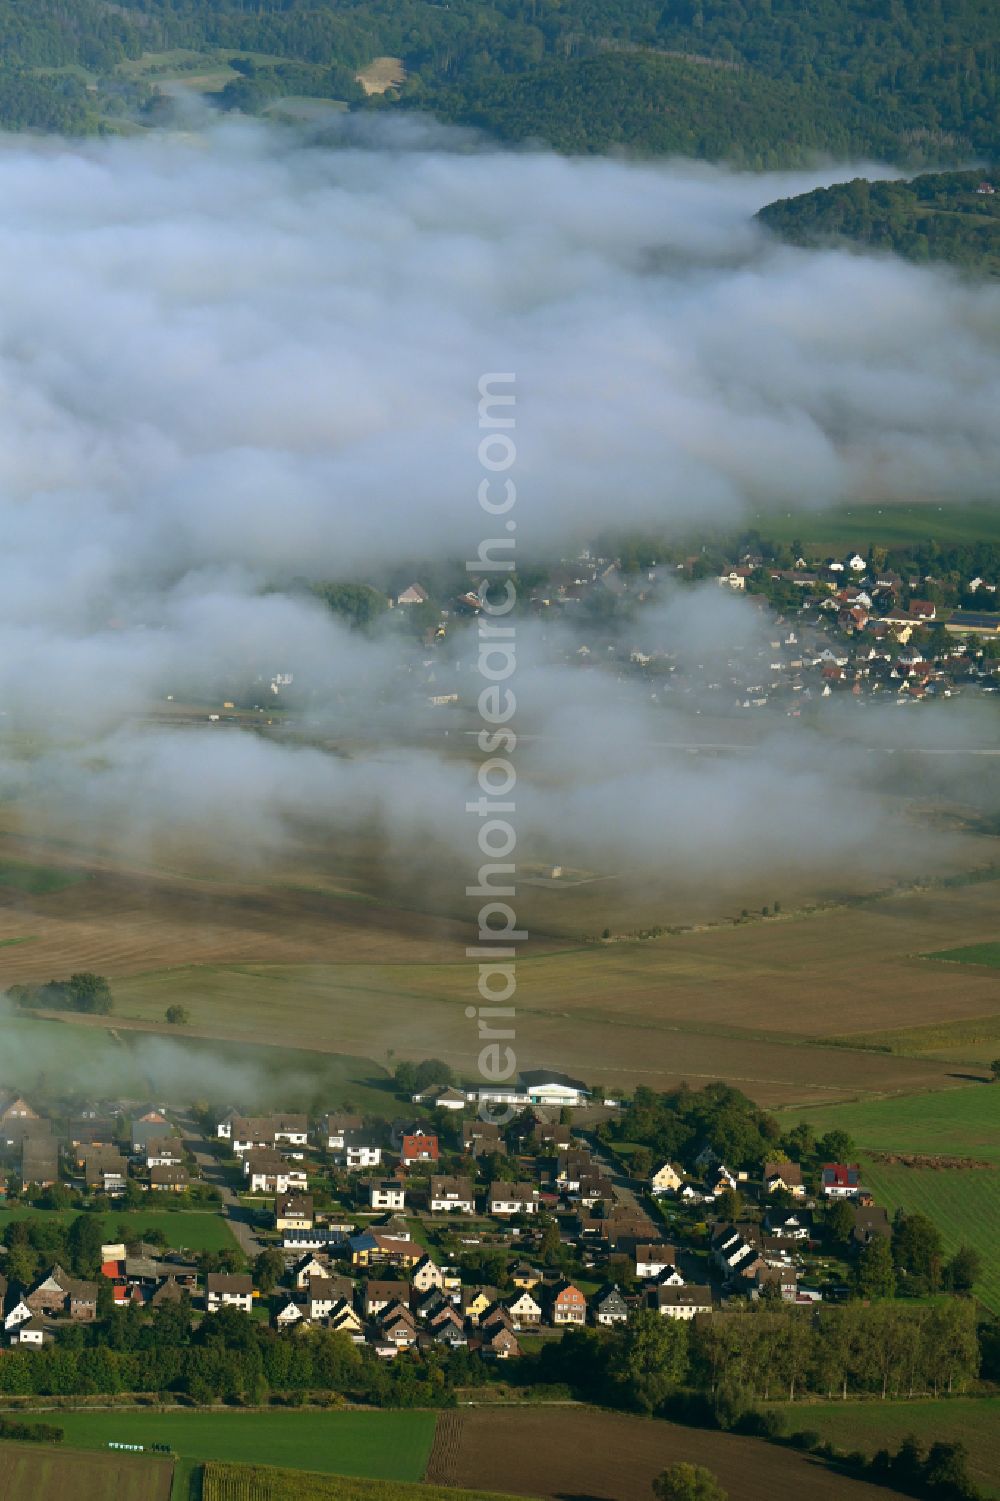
(687, 1482)
(177, 1015)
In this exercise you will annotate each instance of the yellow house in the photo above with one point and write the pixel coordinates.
(525, 1277)
(666, 1179)
(476, 1300)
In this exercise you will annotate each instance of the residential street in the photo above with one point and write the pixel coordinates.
(237, 1216)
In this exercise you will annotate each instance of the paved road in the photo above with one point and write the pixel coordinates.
(236, 1215)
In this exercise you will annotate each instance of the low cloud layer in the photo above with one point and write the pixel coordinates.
(229, 360)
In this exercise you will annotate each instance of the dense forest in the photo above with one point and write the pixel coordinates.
(756, 81)
(951, 216)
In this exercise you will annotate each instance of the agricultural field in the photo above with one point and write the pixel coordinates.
(381, 1445)
(987, 954)
(602, 1456)
(964, 1204)
(956, 1122)
(220, 1482)
(30, 1472)
(868, 1426)
(188, 1230)
(321, 955)
(861, 526)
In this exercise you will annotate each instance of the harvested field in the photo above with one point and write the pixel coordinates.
(382, 74)
(30, 1472)
(587, 1455)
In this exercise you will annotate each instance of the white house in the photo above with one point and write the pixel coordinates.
(452, 1194)
(513, 1198)
(657, 1261)
(228, 1290)
(387, 1193)
(683, 1302)
(359, 1151)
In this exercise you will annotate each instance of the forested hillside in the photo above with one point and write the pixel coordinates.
(948, 216)
(747, 80)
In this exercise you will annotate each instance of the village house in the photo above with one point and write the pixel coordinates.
(168, 1178)
(163, 1151)
(359, 1150)
(870, 1222)
(567, 1304)
(418, 1144)
(682, 1302)
(474, 1301)
(39, 1161)
(666, 1179)
(293, 1211)
(427, 1275)
(449, 1098)
(481, 1137)
(449, 1194)
(386, 1193)
(228, 1290)
(525, 1276)
(513, 1198)
(378, 1295)
(786, 1175)
(840, 1180)
(269, 1172)
(656, 1260)
(334, 1129)
(105, 1170)
(524, 1308)
(610, 1307)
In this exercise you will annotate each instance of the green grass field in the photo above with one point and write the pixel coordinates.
(951, 1122)
(965, 1206)
(262, 1483)
(36, 880)
(861, 526)
(193, 1230)
(973, 1421)
(381, 1445)
(973, 953)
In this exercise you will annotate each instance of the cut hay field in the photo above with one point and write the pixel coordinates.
(963, 1204)
(262, 1483)
(868, 1426)
(34, 1473)
(579, 1453)
(382, 1445)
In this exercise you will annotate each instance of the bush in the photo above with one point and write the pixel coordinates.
(805, 1438)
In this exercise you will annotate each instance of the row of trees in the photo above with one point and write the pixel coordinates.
(732, 1360)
